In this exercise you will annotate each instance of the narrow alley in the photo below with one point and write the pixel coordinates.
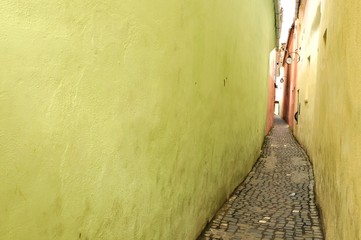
(139, 120)
(276, 200)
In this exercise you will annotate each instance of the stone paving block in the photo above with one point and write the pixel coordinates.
(276, 200)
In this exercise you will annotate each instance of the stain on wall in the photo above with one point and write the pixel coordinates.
(116, 121)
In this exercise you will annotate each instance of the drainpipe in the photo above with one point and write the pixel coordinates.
(278, 26)
(278, 22)
(297, 10)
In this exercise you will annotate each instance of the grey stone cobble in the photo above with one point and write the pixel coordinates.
(276, 200)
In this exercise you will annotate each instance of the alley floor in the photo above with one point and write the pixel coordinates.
(276, 200)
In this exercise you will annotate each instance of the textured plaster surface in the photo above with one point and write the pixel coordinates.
(128, 119)
(329, 125)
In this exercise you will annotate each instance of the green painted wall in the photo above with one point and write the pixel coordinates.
(329, 124)
(127, 119)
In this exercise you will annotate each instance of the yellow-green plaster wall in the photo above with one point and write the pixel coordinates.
(330, 123)
(127, 119)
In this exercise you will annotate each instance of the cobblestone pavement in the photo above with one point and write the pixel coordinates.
(276, 200)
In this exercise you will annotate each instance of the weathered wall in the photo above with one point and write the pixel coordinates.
(329, 125)
(127, 119)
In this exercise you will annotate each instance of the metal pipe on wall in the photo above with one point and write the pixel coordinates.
(297, 9)
(278, 22)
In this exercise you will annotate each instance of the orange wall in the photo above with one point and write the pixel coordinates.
(271, 91)
(289, 107)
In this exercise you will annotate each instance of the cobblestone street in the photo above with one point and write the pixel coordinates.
(276, 200)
